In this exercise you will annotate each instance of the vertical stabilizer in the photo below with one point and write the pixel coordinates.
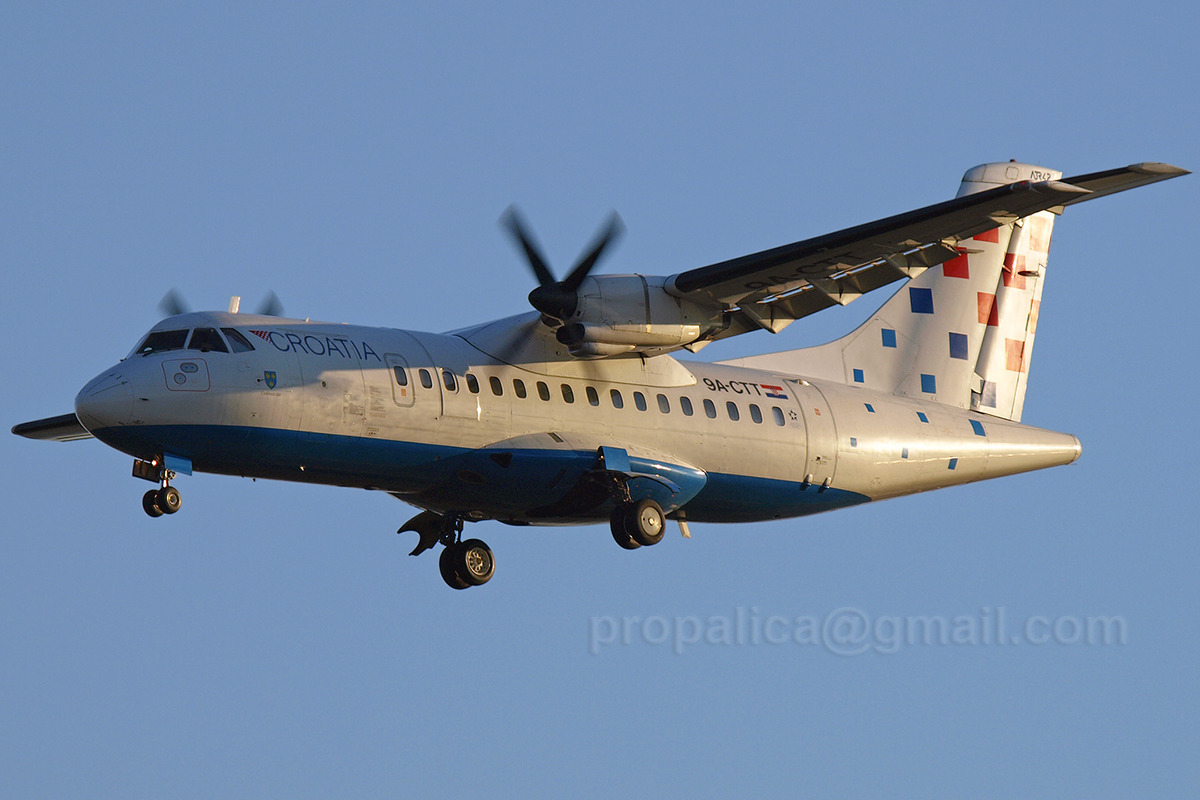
(960, 333)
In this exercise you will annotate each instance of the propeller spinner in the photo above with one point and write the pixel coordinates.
(559, 299)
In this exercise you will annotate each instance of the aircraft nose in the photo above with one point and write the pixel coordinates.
(105, 402)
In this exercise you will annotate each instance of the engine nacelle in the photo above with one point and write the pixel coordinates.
(619, 314)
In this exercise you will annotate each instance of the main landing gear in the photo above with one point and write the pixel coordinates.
(635, 524)
(462, 563)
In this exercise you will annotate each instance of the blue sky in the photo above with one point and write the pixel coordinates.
(276, 640)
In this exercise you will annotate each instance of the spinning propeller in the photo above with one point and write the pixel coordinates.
(173, 304)
(559, 299)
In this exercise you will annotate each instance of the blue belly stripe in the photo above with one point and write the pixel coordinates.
(414, 469)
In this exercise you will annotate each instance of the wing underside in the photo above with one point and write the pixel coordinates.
(771, 289)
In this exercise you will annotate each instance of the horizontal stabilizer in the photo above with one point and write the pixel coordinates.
(1118, 180)
(784, 269)
(64, 428)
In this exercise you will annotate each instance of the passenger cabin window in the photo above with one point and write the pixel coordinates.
(237, 342)
(472, 383)
(592, 397)
(519, 387)
(732, 409)
(161, 341)
(617, 400)
(686, 404)
(497, 386)
(756, 413)
(664, 405)
(543, 390)
(207, 340)
(639, 400)
(401, 376)
(777, 413)
(710, 409)
(426, 378)
(449, 381)
(568, 395)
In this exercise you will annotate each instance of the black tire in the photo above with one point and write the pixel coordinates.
(150, 503)
(169, 500)
(474, 562)
(620, 534)
(646, 522)
(449, 573)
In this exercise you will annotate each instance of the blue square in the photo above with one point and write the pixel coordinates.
(953, 463)
(921, 416)
(858, 376)
(921, 300)
(958, 345)
(869, 407)
(853, 442)
(889, 337)
(928, 383)
(977, 426)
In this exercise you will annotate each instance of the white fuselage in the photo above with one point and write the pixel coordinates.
(415, 414)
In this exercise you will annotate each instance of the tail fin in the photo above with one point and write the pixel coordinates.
(960, 333)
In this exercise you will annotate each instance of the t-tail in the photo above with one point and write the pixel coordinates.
(962, 333)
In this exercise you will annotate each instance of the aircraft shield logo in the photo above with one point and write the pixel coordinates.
(269, 378)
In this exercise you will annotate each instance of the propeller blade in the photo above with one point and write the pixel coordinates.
(271, 306)
(512, 221)
(611, 233)
(173, 304)
(510, 350)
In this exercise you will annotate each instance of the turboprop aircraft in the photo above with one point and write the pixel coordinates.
(579, 412)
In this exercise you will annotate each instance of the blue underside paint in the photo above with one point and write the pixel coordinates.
(518, 485)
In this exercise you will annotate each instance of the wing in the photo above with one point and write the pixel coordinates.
(65, 428)
(773, 288)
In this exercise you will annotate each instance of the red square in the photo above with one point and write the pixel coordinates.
(1039, 234)
(1013, 265)
(989, 236)
(988, 313)
(1014, 355)
(956, 267)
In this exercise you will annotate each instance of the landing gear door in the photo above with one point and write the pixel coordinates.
(401, 378)
(821, 433)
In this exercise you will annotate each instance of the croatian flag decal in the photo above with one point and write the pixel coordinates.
(774, 391)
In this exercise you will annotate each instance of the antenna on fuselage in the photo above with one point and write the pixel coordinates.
(235, 302)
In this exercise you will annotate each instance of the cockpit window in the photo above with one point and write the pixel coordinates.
(237, 342)
(207, 340)
(160, 341)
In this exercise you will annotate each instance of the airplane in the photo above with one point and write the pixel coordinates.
(579, 412)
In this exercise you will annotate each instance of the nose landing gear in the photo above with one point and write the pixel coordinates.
(163, 500)
(461, 563)
(157, 502)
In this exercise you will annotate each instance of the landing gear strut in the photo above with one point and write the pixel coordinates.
(462, 563)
